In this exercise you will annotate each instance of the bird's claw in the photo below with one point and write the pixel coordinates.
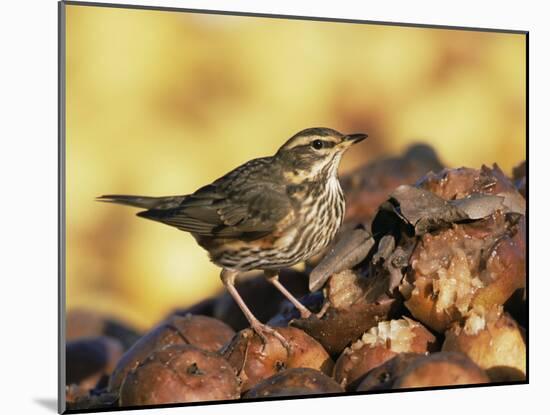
(305, 313)
(323, 310)
(263, 329)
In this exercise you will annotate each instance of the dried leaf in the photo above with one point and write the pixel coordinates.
(348, 252)
(425, 211)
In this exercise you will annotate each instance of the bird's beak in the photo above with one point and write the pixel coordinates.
(351, 139)
(355, 138)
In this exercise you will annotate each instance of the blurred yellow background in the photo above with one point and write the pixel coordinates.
(161, 103)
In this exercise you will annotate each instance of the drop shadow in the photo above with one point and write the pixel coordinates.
(48, 403)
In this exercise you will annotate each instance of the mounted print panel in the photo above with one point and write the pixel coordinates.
(263, 207)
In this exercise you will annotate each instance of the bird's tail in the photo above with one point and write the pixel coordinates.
(145, 202)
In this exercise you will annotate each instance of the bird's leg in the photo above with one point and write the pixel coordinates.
(228, 279)
(273, 278)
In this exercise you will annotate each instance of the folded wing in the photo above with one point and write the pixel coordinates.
(246, 209)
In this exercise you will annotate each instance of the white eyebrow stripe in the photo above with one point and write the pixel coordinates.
(299, 141)
(305, 140)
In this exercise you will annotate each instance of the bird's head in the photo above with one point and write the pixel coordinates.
(315, 152)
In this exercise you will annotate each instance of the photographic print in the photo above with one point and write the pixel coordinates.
(261, 207)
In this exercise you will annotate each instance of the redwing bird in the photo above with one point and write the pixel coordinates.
(267, 214)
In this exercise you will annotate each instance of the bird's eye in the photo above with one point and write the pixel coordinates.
(317, 144)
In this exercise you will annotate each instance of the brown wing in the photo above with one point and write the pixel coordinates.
(246, 203)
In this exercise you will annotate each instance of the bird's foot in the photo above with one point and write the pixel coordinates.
(323, 310)
(304, 312)
(263, 330)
